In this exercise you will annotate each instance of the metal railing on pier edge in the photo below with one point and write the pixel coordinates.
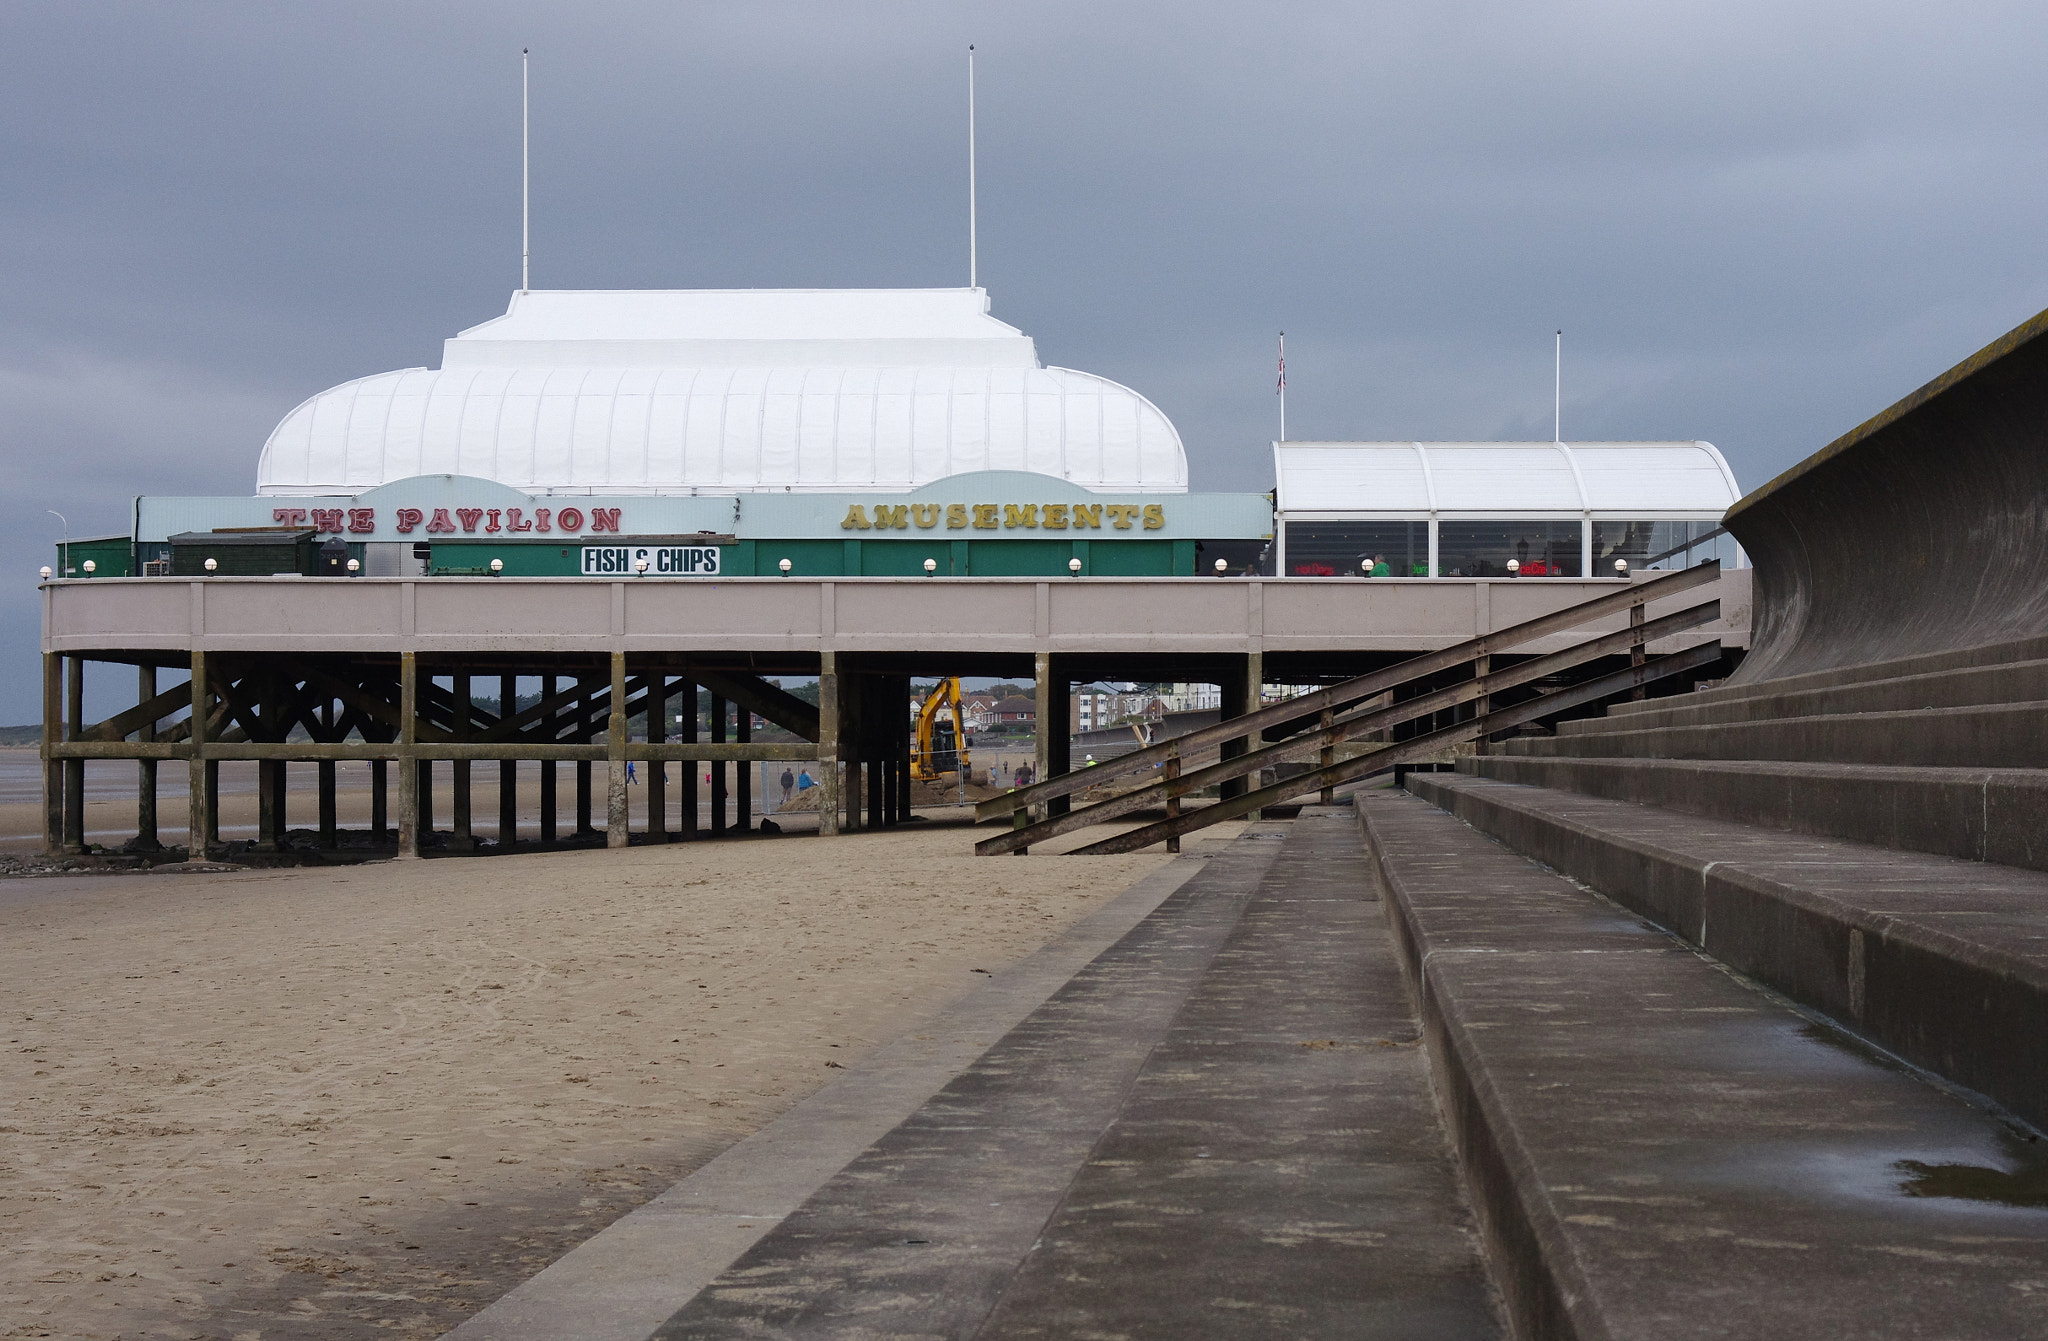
(1343, 720)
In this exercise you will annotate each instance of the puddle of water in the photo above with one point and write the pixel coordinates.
(2024, 1185)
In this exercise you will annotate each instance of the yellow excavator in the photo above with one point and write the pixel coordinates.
(939, 744)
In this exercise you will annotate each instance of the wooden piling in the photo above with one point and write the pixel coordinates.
(616, 833)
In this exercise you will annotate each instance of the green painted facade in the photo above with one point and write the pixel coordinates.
(850, 558)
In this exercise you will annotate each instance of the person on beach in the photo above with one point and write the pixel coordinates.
(632, 778)
(788, 785)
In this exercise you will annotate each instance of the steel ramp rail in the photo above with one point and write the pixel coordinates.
(1172, 784)
(1408, 751)
(1346, 693)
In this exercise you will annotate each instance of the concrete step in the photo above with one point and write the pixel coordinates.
(2012, 735)
(1659, 1151)
(2022, 682)
(1941, 961)
(1979, 814)
(1929, 663)
(1221, 1128)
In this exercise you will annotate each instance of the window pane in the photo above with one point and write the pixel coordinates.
(1340, 549)
(1482, 549)
(1648, 544)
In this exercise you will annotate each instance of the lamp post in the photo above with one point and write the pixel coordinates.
(1074, 567)
(1621, 567)
(1514, 567)
(784, 567)
(1222, 567)
(932, 566)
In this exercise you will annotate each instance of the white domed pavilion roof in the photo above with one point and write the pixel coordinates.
(720, 391)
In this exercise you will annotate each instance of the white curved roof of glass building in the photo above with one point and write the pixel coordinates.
(729, 391)
(1521, 479)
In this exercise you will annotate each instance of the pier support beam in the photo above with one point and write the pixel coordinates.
(53, 767)
(145, 769)
(583, 729)
(203, 775)
(828, 743)
(551, 731)
(616, 833)
(508, 769)
(462, 836)
(718, 712)
(743, 770)
(686, 730)
(657, 769)
(74, 769)
(409, 772)
(1241, 694)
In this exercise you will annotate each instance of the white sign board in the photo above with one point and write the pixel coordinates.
(661, 560)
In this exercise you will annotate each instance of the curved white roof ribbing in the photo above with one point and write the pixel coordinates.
(729, 391)
(1520, 478)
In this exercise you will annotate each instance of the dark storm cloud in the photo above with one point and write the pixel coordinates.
(1758, 223)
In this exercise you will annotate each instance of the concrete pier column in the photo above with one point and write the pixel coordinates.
(202, 775)
(145, 769)
(616, 833)
(508, 769)
(53, 767)
(743, 771)
(827, 774)
(74, 769)
(1055, 754)
(551, 732)
(1241, 691)
(380, 799)
(212, 803)
(718, 711)
(329, 836)
(903, 744)
(657, 769)
(463, 837)
(269, 816)
(584, 726)
(409, 770)
(686, 730)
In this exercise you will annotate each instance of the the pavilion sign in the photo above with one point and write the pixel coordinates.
(1004, 516)
(454, 521)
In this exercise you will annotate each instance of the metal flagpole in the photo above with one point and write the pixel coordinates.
(525, 175)
(973, 223)
(1281, 390)
(1557, 403)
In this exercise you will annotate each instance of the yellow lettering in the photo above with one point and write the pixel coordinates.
(1088, 514)
(1155, 516)
(1120, 514)
(956, 516)
(856, 519)
(1055, 516)
(926, 515)
(1020, 514)
(897, 517)
(984, 516)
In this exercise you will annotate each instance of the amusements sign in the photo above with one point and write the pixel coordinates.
(661, 560)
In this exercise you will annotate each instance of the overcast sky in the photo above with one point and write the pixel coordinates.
(1757, 223)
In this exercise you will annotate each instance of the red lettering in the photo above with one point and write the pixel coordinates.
(440, 522)
(409, 518)
(288, 516)
(362, 521)
(327, 519)
(492, 525)
(513, 521)
(540, 519)
(470, 517)
(569, 519)
(604, 519)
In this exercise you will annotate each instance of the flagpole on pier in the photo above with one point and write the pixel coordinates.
(1282, 388)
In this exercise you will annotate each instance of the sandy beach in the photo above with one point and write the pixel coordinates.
(365, 1101)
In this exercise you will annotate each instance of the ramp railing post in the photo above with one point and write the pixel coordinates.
(1328, 723)
(1170, 771)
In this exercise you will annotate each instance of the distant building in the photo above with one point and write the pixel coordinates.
(1016, 708)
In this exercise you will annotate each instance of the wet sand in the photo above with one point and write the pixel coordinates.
(365, 1101)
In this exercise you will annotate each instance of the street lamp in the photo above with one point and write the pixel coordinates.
(1621, 567)
(91, 567)
(932, 566)
(46, 572)
(639, 566)
(1222, 567)
(1514, 567)
(784, 566)
(1074, 567)
(498, 566)
(212, 565)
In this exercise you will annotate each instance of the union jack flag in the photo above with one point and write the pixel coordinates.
(1281, 389)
